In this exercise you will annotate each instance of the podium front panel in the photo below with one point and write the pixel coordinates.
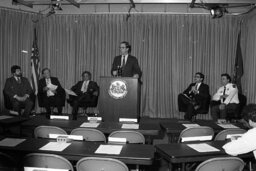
(119, 98)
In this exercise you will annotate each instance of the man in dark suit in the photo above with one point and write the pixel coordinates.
(50, 93)
(19, 91)
(195, 98)
(87, 92)
(126, 65)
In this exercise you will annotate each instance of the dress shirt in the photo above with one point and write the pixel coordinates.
(242, 145)
(231, 91)
(85, 86)
(48, 81)
(124, 56)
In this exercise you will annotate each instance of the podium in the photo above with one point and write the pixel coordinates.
(119, 98)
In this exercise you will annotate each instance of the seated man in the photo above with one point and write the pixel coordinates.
(194, 98)
(50, 93)
(19, 91)
(246, 143)
(225, 99)
(87, 94)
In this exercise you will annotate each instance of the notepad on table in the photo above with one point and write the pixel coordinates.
(130, 126)
(203, 147)
(109, 149)
(227, 126)
(55, 146)
(11, 142)
(90, 124)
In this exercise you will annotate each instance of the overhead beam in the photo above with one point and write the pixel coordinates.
(82, 2)
(73, 2)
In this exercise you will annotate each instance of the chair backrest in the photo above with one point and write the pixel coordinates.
(47, 161)
(7, 101)
(132, 137)
(196, 132)
(100, 164)
(223, 134)
(221, 164)
(7, 162)
(44, 131)
(89, 134)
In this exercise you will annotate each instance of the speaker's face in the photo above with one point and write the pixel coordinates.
(123, 49)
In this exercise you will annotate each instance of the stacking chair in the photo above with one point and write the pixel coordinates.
(89, 134)
(132, 137)
(196, 132)
(223, 134)
(47, 161)
(221, 164)
(44, 131)
(100, 164)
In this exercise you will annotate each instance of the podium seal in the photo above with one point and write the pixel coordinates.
(117, 89)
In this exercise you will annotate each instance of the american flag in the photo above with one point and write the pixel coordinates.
(35, 64)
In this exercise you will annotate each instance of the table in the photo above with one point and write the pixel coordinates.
(176, 153)
(174, 128)
(11, 121)
(138, 154)
(147, 129)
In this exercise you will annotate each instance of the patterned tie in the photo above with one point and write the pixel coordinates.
(19, 80)
(123, 61)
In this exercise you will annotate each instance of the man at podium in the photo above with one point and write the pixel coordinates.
(126, 65)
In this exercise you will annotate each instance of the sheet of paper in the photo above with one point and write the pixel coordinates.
(2, 117)
(190, 125)
(203, 147)
(90, 124)
(42, 169)
(130, 126)
(52, 87)
(70, 92)
(55, 146)
(109, 149)
(226, 126)
(11, 142)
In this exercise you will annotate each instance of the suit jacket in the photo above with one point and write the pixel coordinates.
(60, 92)
(202, 98)
(12, 87)
(131, 66)
(92, 87)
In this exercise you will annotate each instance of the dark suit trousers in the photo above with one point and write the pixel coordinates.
(80, 101)
(53, 101)
(216, 113)
(187, 106)
(27, 105)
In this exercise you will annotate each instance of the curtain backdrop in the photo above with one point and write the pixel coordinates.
(170, 49)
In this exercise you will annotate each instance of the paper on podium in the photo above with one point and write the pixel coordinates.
(226, 126)
(190, 125)
(203, 147)
(70, 92)
(90, 124)
(55, 146)
(11, 142)
(130, 126)
(109, 149)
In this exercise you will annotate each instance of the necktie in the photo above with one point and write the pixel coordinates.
(85, 86)
(47, 81)
(224, 91)
(19, 80)
(123, 61)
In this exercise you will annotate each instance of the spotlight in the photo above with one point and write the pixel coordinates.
(217, 12)
(56, 5)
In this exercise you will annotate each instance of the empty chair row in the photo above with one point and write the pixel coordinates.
(206, 133)
(90, 134)
(108, 164)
